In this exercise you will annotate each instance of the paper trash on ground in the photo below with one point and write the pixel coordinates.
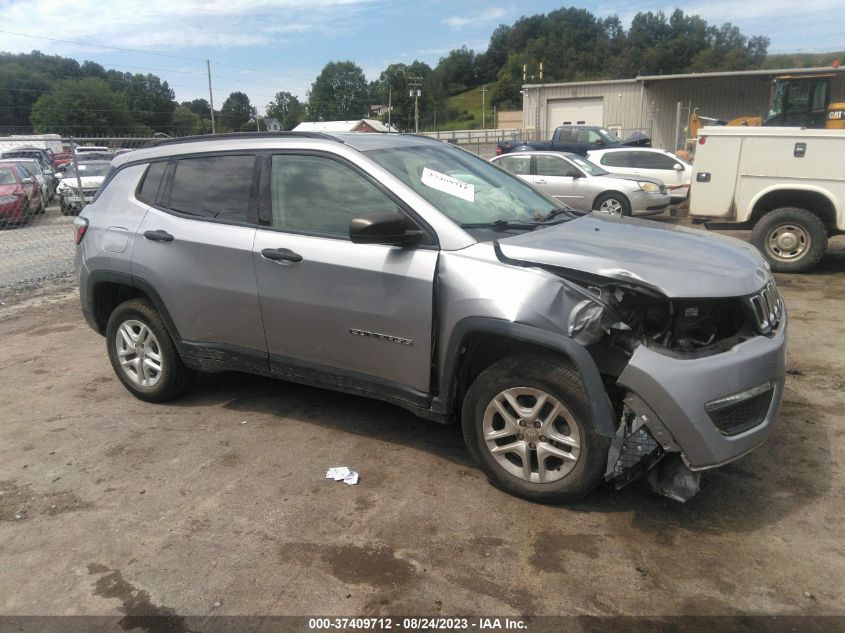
(342, 473)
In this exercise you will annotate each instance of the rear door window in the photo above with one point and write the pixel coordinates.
(653, 160)
(519, 165)
(214, 187)
(616, 159)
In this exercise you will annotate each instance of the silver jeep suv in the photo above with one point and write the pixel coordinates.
(572, 347)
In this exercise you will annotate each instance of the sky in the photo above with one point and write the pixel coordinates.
(262, 47)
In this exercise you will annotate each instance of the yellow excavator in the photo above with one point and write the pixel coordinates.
(795, 101)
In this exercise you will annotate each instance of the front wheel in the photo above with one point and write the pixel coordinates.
(793, 240)
(142, 353)
(526, 421)
(613, 204)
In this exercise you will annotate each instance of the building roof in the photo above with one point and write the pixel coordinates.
(770, 72)
(339, 126)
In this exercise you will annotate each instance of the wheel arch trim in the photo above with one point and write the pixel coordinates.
(583, 363)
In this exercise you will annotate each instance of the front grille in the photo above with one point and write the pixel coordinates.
(766, 308)
(663, 189)
(734, 419)
(89, 192)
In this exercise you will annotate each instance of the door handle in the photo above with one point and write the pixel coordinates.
(281, 255)
(158, 236)
(540, 182)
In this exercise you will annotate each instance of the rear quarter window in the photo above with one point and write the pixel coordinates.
(151, 183)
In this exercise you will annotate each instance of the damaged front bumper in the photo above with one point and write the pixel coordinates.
(707, 411)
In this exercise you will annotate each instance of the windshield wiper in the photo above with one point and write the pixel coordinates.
(500, 224)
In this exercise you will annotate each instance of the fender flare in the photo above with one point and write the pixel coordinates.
(602, 412)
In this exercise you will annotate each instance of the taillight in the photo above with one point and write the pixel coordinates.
(702, 140)
(81, 228)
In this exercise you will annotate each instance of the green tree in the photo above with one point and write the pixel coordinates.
(199, 106)
(151, 101)
(339, 93)
(235, 111)
(187, 122)
(83, 106)
(287, 109)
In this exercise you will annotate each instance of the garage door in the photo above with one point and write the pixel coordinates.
(574, 112)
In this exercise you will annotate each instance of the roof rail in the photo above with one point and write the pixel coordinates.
(241, 135)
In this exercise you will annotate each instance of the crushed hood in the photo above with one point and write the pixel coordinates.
(677, 262)
(88, 182)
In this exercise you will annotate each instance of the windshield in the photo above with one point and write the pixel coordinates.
(466, 188)
(88, 169)
(589, 167)
(6, 176)
(609, 136)
(30, 165)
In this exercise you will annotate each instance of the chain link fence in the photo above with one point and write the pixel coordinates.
(39, 198)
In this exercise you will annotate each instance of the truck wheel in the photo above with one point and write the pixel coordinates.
(142, 353)
(526, 421)
(793, 240)
(613, 203)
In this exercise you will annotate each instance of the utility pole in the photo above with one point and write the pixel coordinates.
(210, 94)
(416, 93)
(257, 125)
(389, 106)
(483, 106)
(539, 99)
(495, 125)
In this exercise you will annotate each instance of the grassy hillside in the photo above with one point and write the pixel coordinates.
(803, 60)
(468, 102)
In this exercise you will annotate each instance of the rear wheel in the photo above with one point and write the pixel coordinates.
(793, 240)
(142, 353)
(526, 421)
(613, 204)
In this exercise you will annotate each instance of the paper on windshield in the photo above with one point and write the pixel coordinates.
(447, 184)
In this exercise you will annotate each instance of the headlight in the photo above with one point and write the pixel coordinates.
(7, 199)
(648, 187)
(64, 187)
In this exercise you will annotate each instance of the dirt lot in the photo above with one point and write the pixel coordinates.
(218, 502)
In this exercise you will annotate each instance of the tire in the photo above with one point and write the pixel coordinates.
(63, 207)
(128, 321)
(792, 240)
(615, 200)
(526, 378)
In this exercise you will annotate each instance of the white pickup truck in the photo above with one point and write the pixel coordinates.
(785, 184)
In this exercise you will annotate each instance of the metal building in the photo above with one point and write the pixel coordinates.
(658, 105)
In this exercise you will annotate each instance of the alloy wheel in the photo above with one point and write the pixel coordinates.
(531, 434)
(138, 353)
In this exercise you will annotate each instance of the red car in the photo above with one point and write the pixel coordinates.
(20, 195)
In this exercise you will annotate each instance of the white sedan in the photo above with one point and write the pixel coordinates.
(646, 161)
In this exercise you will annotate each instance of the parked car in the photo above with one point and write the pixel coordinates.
(91, 174)
(47, 184)
(584, 185)
(20, 194)
(87, 149)
(674, 172)
(89, 156)
(44, 156)
(784, 184)
(577, 139)
(572, 347)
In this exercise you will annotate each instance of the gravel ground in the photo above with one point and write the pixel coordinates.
(217, 503)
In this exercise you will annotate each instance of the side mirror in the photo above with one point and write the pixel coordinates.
(575, 174)
(383, 227)
(599, 143)
(678, 167)
(29, 181)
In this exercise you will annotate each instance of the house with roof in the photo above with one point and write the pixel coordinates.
(358, 125)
